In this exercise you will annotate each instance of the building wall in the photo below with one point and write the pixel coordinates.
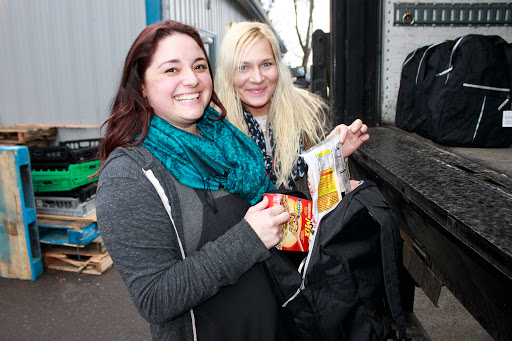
(399, 41)
(61, 61)
(211, 17)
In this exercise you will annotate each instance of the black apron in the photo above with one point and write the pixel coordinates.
(246, 311)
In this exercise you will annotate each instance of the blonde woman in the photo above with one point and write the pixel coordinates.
(261, 100)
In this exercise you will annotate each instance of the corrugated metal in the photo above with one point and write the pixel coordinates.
(61, 60)
(216, 19)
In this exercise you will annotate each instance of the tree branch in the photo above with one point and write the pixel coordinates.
(297, 25)
(307, 51)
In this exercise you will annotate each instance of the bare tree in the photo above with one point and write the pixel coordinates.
(270, 4)
(306, 46)
(305, 43)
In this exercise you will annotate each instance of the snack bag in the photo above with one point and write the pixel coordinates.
(297, 229)
(328, 178)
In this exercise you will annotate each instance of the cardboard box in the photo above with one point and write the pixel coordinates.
(297, 229)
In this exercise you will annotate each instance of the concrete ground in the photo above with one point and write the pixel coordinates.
(62, 305)
(449, 321)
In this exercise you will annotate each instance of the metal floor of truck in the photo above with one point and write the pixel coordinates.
(450, 320)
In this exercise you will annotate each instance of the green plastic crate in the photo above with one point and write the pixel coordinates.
(64, 180)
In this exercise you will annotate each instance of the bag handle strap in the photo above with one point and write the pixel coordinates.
(422, 58)
(165, 201)
(391, 254)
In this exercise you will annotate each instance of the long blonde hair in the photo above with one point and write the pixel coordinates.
(295, 114)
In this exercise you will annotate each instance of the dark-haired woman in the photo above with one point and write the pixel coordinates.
(178, 201)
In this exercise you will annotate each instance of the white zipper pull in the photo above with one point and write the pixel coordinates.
(504, 103)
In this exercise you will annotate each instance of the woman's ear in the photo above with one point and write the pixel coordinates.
(143, 91)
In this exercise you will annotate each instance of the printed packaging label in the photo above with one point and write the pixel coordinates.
(297, 229)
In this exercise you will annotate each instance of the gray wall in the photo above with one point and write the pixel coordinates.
(61, 60)
(211, 18)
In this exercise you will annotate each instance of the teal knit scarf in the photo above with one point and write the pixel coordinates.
(224, 157)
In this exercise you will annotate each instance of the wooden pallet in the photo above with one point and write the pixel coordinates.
(20, 256)
(91, 217)
(94, 248)
(30, 135)
(67, 230)
(93, 259)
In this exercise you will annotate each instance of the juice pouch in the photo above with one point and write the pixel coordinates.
(328, 178)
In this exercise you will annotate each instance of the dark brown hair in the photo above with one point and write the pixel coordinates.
(131, 113)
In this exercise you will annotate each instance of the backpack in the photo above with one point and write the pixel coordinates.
(455, 92)
(350, 273)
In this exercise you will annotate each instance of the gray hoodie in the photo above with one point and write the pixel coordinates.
(143, 244)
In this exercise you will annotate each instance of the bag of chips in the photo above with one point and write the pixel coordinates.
(328, 177)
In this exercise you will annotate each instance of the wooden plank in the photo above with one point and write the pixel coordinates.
(13, 248)
(12, 129)
(14, 253)
(83, 266)
(95, 248)
(71, 224)
(29, 135)
(68, 237)
(28, 128)
(34, 143)
(75, 126)
(91, 217)
(101, 267)
(74, 259)
(417, 268)
(95, 265)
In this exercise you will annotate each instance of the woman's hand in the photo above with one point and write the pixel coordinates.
(266, 222)
(351, 137)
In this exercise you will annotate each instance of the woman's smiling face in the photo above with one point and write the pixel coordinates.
(256, 79)
(177, 83)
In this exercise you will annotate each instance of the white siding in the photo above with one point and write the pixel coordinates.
(216, 19)
(399, 41)
(60, 61)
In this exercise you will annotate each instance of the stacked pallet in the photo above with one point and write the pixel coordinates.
(93, 259)
(65, 187)
(67, 230)
(29, 135)
(73, 244)
(20, 252)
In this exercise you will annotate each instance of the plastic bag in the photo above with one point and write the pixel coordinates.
(328, 177)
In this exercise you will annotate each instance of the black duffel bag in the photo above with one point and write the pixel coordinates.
(455, 92)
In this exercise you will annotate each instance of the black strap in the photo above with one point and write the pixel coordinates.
(391, 253)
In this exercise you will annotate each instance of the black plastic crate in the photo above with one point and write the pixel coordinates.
(49, 165)
(83, 193)
(66, 153)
